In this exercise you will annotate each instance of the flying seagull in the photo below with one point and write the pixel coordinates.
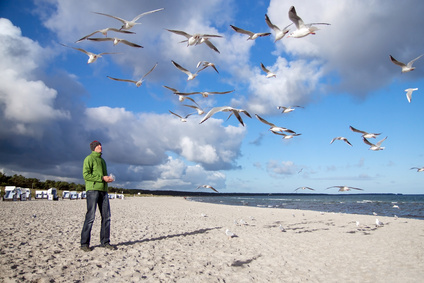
(302, 28)
(92, 57)
(304, 188)
(345, 188)
(129, 24)
(269, 74)
(137, 83)
(115, 41)
(418, 169)
(206, 64)
(252, 35)
(279, 34)
(234, 111)
(288, 109)
(409, 92)
(205, 93)
(183, 119)
(341, 139)
(365, 134)
(405, 67)
(207, 187)
(181, 98)
(104, 32)
(374, 147)
(195, 39)
(199, 110)
(190, 75)
(274, 128)
(285, 136)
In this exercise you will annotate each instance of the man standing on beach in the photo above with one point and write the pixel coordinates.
(96, 184)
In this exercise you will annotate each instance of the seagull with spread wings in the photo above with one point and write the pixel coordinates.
(115, 41)
(302, 29)
(190, 75)
(183, 119)
(252, 35)
(195, 39)
(234, 111)
(409, 92)
(279, 34)
(275, 129)
(341, 139)
(374, 147)
(345, 188)
(269, 74)
(104, 32)
(129, 24)
(92, 57)
(405, 67)
(137, 83)
(365, 134)
(207, 187)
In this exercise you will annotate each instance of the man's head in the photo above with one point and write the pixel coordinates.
(96, 146)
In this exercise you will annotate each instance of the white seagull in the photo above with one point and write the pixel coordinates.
(199, 110)
(302, 28)
(405, 67)
(274, 128)
(115, 41)
(92, 57)
(285, 136)
(230, 234)
(409, 92)
(205, 93)
(269, 74)
(304, 188)
(181, 98)
(197, 38)
(365, 134)
(374, 147)
(234, 111)
(104, 32)
(252, 35)
(137, 83)
(206, 64)
(183, 119)
(281, 228)
(129, 24)
(288, 109)
(207, 187)
(190, 75)
(279, 34)
(345, 188)
(341, 139)
(418, 169)
(378, 222)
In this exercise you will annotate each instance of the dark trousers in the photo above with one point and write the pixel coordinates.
(96, 198)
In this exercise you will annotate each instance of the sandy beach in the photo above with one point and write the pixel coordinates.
(170, 239)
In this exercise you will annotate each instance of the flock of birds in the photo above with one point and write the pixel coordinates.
(300, 30)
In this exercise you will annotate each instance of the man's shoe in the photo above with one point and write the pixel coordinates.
(86, 248)
(109, 246)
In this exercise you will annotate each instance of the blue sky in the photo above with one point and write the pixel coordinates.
(53, 104)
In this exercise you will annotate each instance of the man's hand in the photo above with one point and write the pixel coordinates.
(107, 179)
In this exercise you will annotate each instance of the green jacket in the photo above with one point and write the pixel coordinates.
(93, 170)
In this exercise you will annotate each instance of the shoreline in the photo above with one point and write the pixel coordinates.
(176, 240)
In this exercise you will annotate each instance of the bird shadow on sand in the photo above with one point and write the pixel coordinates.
(195, 232)
(240, 263)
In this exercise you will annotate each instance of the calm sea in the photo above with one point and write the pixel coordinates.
(409, 206)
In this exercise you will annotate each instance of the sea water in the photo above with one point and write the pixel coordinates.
(409, 206)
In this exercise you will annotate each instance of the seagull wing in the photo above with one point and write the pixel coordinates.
(180, 32)
(356, 188)
(187, 72)
(264, 68)
(116, 18)
(295, 18)
(397, 62)
(368, 142)
(239, 30)
(237, 114)
(264, 121)
(171, 89)
(130, 43)
(412, 61)
(271, 25)
(356, 130)
(150, 71)
(215, 110)
(122, 80)
(211, 46)
(146, 13)
(380, 142)
(79, 49)
(175, 114)
(221, 92)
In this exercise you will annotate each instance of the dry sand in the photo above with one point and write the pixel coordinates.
(167, 239)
